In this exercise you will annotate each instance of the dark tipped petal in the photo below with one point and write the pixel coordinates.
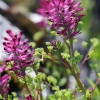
(8, 31)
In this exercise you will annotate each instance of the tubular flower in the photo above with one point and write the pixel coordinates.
(19, 53)
(63, 14)
(54, 44)
(3, 81)
(29, 97)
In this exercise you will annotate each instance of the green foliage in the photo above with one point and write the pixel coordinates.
(54, 33)
(38, 35)
(98, 75)
(77, 57)
(37, 66)
(39, 51)
(75, 40)
(0, 96)
(62, 81)
(88, 93)
(14, 94)
(50, 48)
(47, 43)
(93, 66)
(55, 88)
(90, 53)
(61, 95)
(94, 42)
(33, 44)
(52, 80)
(21, 80)
(84, 43)
(78, 89)
(94, 52)
(92, 85)
(65, 55)
(41, 76)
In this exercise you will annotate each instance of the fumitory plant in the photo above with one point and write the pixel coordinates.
(63, 17)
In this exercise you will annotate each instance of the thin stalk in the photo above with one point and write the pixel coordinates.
(71, 50)
(85, 58)
(6, 97)
(78, 81)
(67, 65)
(75, 75)
(98, 81)
(67, 44)
(41, 97)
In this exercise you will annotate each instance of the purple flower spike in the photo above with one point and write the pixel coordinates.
(64, 15)
(19, 53)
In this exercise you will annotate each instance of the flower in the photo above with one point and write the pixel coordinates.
(2, 68)
(3, 81)
(20, 53)
(63, 14)
(29, 97)
(54, 44)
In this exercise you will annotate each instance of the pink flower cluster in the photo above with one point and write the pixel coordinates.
(63, 14)
(19, 53)
(3, 81)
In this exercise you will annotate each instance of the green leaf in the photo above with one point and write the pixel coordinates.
(90, 53)
(52, 80)
(14, 94)
(94, 42)
(98, 75)
(84, 43)
(41, 76)
(0, 96)
(50, 48)
(62, 81)
(55, 88)
(43, 87)
(76, 53)
(58, 93)
(36, 53)
(65, 55)
(40, 50)
(37, 66)
(93, 66)
(52, 97)
(88, 93)
(80, 22)
(54, 33)
(47, 56)
(33, 44)
(50, 23)
(75, 40)
(38, 35)
(16, 98)
(47, 43)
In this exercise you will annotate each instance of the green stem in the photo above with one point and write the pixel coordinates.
(98, 81)
(75, 75)
(78, 81)
(25, 84)
(41, 98)
(6, 97)
(71, 50)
